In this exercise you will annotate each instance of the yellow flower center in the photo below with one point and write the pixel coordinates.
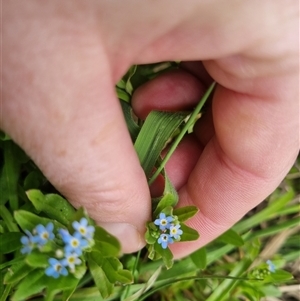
(82, 230)
(45, 235)
(75, 243)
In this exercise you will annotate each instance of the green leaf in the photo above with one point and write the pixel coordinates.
(10, 242)
(231, 237)
(34, 180)
(199, 258)
(130, 73)
(14, 261)
(10, 174)
(279, 276)
(104, 286)
(55, 286)
(121, 84)
(4, 136)
(37, 259)
(169, 188)
(152, 254)
(17, 272)
(113, 269)
(55, 206)
(123, 95)
(148, 237)
(252, 248)
(153, 136)
(28, 221)
(188, 234)
(8, 219)
(67, 294)
(131, 124)
(30, 285)
(168, 210)
(105, 243)
(166, 255)
(168, 200)
(185, 213)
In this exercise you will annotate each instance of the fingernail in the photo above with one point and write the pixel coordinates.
(128, 235)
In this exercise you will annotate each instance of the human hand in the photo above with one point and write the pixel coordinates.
(61, 61)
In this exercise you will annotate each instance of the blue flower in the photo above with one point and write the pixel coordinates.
(43, 234)
(27, 242)
(271, 266)
(163, 221)
(74, 243)
(175, 231)
(164, 240)
(70, 260)
(56, 268)
(83, 228)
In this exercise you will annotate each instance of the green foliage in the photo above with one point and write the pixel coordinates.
(232, 267)
(231, 237)
(10, 242)
(53, 205)
(153, 136)
(102, 261)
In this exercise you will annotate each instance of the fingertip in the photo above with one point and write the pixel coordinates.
(130, 238)
(175, 90)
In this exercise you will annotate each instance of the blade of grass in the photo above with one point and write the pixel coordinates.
(6, 292)
(164, 283)
(228, 284)
(153, 136)
(133, 273)
(271, 230)
(11, 171)
(272, 211)
(8, 219)
(182, 132)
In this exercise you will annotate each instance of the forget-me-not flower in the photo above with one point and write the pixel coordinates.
(271, 266)
(28, 244)
(55, 269)
(163, 221)
(74, 243)
(175, 231)
(43, 234)
(70, 260)
(164, 240)
(83, 228)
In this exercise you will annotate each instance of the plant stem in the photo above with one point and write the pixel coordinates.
(182, 133)
(6, 292)
(133, 272)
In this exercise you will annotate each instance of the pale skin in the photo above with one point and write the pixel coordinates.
(62, 59)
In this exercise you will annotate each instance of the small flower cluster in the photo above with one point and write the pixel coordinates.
(169, 228)
(38, 238)
(73, 245)
(263, 271)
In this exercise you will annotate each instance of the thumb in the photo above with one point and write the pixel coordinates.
(63, 112)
